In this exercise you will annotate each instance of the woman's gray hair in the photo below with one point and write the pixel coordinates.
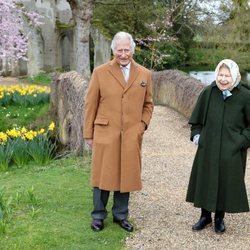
(122, 36)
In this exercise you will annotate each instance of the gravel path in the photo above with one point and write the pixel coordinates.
(161, 216)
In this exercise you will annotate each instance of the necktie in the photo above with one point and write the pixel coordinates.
(125, 72)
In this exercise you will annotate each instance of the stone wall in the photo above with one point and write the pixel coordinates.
(45, 48)
(177, 90)
(67, 104)
(50, 47)
(102, 52)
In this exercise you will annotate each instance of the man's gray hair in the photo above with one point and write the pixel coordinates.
(122, 36)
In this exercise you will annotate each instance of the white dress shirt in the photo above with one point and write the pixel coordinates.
(125, 71)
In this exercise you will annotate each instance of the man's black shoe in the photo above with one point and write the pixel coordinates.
(124, 224)
(97, 225)
(202, 223)
(219, 225)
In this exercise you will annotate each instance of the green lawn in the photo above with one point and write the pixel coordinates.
(50, 209)
(36, 116)
(41, 79)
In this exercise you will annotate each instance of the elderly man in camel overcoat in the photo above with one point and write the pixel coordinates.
(118, 109)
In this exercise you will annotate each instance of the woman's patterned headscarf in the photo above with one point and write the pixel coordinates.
(233, 68)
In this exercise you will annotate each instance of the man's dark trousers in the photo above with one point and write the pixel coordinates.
(119, 208)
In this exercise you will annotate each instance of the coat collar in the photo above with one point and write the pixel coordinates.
(115, 70)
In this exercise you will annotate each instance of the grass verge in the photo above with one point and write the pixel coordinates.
(50, 209)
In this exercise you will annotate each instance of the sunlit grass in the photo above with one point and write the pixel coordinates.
(42, 78)
(24, 117)
(51, 209)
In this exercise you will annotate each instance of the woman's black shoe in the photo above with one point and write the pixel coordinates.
(219, 225)
(202, 223)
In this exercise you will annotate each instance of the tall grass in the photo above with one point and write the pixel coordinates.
(41, 149)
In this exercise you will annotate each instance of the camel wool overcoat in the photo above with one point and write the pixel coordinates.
(217, 176)
(116, 113)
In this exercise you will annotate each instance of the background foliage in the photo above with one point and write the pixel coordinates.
(155, 26)
(172, 34)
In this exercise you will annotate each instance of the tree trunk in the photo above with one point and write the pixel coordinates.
(67, 106)
(82, 11)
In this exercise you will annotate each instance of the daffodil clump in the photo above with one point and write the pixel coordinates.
(19, 146)
(24, 95)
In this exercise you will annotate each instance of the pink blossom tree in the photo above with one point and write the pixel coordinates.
(13, 41)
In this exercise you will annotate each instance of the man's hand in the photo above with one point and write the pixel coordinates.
(89, 142)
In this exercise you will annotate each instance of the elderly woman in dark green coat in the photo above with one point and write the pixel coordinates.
(220, 126)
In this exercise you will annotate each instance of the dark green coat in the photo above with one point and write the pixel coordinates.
(217, 176)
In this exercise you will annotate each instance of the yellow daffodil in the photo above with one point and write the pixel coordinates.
(3, 137)
(14, 133)
(51, 126)
(41, 131)
(23, 130)
(24, 89)
(30, 135)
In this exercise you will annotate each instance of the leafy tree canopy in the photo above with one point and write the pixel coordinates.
(161, 29)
